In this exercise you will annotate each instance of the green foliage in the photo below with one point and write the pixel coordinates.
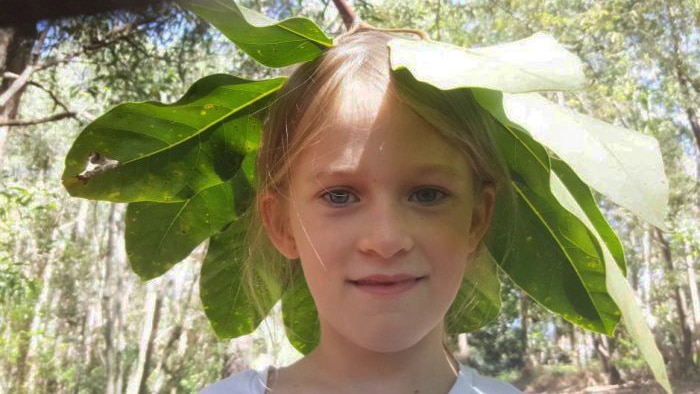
(623, 165)
(498, 346)
(231, 308)
(576, 275)
(167, 153)
(478, 300)
(272, 43)
(299, 315)
(537, 63)
(184, 161)
(16, 287)
(181, 166)
(569, 277)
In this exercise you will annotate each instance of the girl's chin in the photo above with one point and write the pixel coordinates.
(388, 343)
(382, 336)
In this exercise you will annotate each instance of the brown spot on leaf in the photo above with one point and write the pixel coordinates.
(96, 164)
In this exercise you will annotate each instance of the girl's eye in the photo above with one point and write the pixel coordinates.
(427, 196)
(339, 197)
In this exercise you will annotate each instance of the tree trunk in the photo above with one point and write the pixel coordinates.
(16, 43)
(524, 319)
(693, 289)
(41, 312)
(575, 354)
(686, 345)
(110, 310)
(695, 126)
(170, 369)
(645, 292)
(605, 347)
(137, 383)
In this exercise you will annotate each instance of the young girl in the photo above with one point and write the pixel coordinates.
(383, 199)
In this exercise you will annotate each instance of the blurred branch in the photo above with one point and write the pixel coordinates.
(32, 122)
(346, 12)
(48, 91)
(17, 85)
(122, 32)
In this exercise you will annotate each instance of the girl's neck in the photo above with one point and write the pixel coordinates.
(337, 363)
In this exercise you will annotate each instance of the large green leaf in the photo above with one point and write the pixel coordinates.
(228, 301)
(555, 218)
(159, 235)
(493, 102)
(169, 152)
(299, 315)
(624, 165)
(621, 292)
(533, 64)
(479, 299)
(564, 177)
(272, 43)
(551, 254)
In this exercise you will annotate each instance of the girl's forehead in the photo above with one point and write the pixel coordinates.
(359, 103)
(354, 117)
(375, 130)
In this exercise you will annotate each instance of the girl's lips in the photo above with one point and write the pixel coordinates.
(386, 284)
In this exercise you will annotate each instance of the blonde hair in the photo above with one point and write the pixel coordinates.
(308, 102)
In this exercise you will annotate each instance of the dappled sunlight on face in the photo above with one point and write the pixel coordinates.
(380, 195)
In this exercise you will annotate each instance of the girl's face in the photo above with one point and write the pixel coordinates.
(383, 214)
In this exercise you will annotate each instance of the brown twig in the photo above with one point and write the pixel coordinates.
(346, 12)
(352, 22)
(51, 94)
(17, 85)
(122, 32)
(362, 26)
(32, 122)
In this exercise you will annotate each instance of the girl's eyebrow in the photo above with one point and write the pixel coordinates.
(419, 170)
(438, 170)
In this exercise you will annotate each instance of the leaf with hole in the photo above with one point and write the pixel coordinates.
(170, 152)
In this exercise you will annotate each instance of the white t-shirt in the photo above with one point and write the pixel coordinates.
(251, 381)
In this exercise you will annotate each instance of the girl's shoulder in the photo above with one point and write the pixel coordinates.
(471, 382)
(249, 381)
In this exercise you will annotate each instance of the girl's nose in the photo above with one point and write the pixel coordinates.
(386, 232)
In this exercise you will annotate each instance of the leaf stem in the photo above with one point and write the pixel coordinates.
(346, 12)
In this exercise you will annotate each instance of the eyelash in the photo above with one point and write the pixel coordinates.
(329, 194)
(440, 195)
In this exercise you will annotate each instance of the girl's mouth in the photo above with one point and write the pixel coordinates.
(386, 285)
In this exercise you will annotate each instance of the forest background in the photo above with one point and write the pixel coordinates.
(75, 319)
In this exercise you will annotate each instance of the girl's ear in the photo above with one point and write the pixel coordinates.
(276, 221)
(481, 214)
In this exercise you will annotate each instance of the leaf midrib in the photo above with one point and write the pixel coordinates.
(204, 128)
(550, 230)
(637, 184)
(278, 24)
